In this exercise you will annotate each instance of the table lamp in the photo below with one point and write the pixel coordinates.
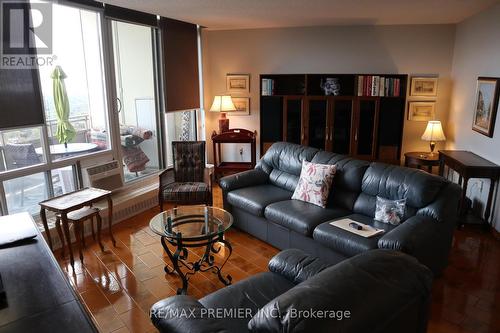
(433, 132)
(223, 104)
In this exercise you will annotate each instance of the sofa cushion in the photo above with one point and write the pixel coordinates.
(283, 162)
(348, 243)
(251, 293)
(301, 216)
(393, 182)
(348, 178)
(254, 199)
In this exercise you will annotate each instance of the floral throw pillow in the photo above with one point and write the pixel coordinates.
(314, 183)
(390, 211)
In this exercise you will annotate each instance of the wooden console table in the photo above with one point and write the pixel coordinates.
(469, 165)
(235, 135)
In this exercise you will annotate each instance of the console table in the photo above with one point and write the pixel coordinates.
(469, 165)
(38, 296)
(235, 135)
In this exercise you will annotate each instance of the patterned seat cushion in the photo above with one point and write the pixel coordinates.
(186, 192)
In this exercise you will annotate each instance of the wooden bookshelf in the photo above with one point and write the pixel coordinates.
(295, 109)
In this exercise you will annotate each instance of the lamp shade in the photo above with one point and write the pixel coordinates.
(222, 103)
(434, 132)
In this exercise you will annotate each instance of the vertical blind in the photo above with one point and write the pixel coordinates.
(180, 51)
(20, 98)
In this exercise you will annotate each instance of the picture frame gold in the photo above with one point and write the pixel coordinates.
(238, 83)
(424, 86)
(242, 105)
(421, 110)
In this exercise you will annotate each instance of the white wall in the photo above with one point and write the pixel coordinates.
(477, 53)
(407, 49)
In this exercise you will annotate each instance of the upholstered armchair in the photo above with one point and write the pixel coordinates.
(191, 182)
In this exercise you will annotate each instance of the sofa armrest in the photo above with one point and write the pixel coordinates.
(182, 313)
(376, 291)
(296, 266)
(422, 237)
(243, 179)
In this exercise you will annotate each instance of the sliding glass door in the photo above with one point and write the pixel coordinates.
(133, 48)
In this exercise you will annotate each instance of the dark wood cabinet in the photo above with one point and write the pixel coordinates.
(293, 120)
(366, 127)
(317, 122)
(342, 133)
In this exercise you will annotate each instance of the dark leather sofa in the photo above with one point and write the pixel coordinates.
(260, 201)
(376, 291)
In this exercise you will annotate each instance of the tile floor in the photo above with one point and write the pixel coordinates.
(119, 285)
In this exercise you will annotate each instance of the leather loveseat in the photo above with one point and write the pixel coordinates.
(261, 204)
(376, 291)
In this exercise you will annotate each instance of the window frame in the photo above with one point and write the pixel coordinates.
(112, 114)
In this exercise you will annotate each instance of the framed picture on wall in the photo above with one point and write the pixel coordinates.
(242, 105)
(238, 83)
(424, 86)
(486, 105)
(421, 111)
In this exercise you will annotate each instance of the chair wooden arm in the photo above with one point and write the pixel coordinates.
(166, 177)
(208, 177)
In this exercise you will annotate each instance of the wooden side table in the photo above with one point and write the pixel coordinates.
(235, 135)
(72, 201)
(421, 159)
(469, 165)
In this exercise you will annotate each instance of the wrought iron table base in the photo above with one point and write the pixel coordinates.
(204, 264)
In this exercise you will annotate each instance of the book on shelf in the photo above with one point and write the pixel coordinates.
(376, 85)
(360, 85)
(267, 87)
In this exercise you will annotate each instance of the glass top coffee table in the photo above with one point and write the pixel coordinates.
(193, 226)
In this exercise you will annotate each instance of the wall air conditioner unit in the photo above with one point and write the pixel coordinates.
(105, 176)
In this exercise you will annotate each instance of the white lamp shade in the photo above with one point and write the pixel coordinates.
(434, 132)
(222, 103)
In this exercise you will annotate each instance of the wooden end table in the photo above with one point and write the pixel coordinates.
(422, 159)
(469, 165)
(234, 135)
(72, 201)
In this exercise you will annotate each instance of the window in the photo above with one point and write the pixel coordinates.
(20, 148)
(77, 46)
(38, 162)
(24, 193)
(63, 180)
(133, 49)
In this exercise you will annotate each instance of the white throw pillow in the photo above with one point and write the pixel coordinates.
(390, 211)
(314, 183)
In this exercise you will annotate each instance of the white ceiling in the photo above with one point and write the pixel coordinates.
(248, 14)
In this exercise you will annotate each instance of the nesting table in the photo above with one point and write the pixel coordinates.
(72, 201)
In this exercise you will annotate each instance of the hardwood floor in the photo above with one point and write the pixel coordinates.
(119, 285)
